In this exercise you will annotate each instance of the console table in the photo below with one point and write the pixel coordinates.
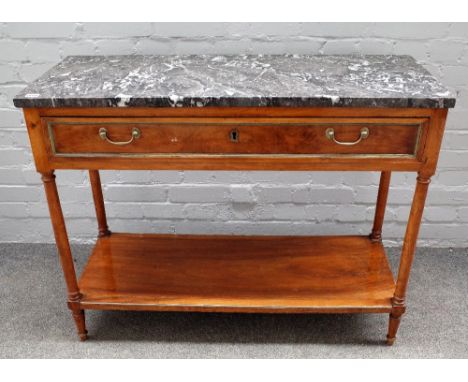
(278, 113)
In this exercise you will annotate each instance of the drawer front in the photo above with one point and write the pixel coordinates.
(108, 137)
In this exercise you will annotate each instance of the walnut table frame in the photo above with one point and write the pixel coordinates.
(339, 274)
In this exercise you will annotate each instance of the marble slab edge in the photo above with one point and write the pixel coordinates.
(160, 102)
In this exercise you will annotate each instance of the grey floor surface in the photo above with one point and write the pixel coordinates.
(35, 322)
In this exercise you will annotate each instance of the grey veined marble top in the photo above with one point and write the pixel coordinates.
(243, 80)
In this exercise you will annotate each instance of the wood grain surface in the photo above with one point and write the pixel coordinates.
(237, 273)
(252, 136)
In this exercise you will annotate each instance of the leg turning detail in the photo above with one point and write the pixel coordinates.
(394, 323)
(79, 317)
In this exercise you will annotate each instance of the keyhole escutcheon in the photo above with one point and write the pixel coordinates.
(234, 135)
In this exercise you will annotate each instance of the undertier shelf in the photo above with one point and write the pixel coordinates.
(270, 274)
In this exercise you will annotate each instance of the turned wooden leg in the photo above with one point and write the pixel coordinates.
(96, 188)
(63, 246)
(407, 256)
(376, 234)
(79, 317)
(394, 323)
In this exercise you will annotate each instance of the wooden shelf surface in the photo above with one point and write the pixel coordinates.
(237, 274)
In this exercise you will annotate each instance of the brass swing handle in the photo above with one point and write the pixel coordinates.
(330, 134)
(136, 133)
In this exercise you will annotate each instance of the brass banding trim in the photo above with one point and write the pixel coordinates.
(226, 155)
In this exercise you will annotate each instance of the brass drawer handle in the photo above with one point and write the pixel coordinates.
(330, 134)
(135, 135)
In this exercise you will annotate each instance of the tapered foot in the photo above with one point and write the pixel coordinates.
(83, 337)
(79, 317)
(393, 325)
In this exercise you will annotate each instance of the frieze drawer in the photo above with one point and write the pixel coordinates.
(74, 137)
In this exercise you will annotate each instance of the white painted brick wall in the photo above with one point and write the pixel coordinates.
(231, 202)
